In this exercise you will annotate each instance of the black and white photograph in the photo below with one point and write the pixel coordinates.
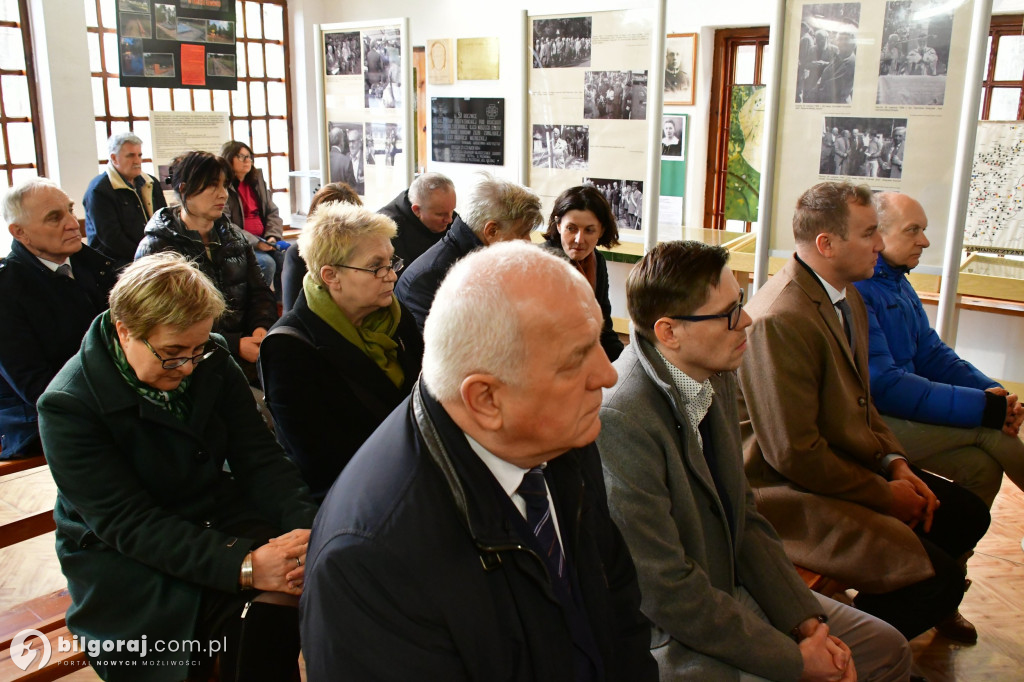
(561, 43)
(565, 147)
(220, 65)
(220, 31)
(383, 143)
(680, 67)
(672, 134)
(159, 64)
(863, 147)
(342, 56)
(136, 25)
(626, 198)
(915, 52)
(131, 56)
(212, 5)
(191, 30)
(166, 20)
(827, 59)
(347, 160)
(615, 95)
(382, 68)
(133, 6)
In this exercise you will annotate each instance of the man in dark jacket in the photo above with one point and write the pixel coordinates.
(120, 201)
(951, 418)
(423, 213)
(51, 288)
(469, 538)
(499, 210)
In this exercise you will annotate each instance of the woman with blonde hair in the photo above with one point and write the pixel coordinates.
(178, 515)
(347, 353)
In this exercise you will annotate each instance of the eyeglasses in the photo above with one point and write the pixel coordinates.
(381, 272)
(733, 314)
(175, 363)
(244, 157)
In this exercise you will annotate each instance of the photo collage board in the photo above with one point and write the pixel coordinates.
(588, 108)
(177, 44)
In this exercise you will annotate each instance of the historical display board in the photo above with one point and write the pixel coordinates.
(878, 82)
(995, 209)
(177, 43)
(468, 130)
(588, 108)
(365, 107)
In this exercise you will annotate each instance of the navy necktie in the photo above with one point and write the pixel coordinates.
(847, 311)
(64, 271)
(538, 515)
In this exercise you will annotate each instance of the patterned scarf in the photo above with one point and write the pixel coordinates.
(177, 402)
(374, 337)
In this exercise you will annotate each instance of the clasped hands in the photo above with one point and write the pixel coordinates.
(280, 565)
(825, 657)
(912, 501)
(1014, 411)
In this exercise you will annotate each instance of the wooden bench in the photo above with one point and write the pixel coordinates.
(44, 614)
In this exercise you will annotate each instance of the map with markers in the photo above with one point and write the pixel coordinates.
(995, 207)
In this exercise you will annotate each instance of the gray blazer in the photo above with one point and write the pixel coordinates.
(689, 562)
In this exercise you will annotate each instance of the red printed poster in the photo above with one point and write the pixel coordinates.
(193, 65)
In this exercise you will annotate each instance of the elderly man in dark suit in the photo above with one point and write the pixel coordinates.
(51, 288)
(423, 213)
(827, 471)
(723, 597)
(341, 160)
(469, 538)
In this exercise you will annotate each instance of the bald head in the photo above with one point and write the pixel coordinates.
(902, 223)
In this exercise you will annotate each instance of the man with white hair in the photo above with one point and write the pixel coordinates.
(423, 213)
(499, 210)
(51, 288)
(469, 538)
(120, 201)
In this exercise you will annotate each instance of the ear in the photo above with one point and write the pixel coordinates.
(416, 208)
(328, 275)
(664, 332)
(16, 230)
(490, 232)
(481, 398)
(122, 332)
(113, 158)
(823, 242)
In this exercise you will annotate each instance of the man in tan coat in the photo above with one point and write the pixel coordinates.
(826, 470)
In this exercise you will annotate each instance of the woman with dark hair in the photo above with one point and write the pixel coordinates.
(294, 267)
(198, 230)
(178, 516)
(582, 220)
(251, 209)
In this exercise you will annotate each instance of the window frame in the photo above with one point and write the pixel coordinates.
(1001, 25)
(34, 117)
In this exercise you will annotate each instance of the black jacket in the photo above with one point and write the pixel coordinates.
(231, 265)
(326, 395)
(413, 237)
(44, 317)
(415, 572)
(116, 215)
(609, 339)
(419, 283)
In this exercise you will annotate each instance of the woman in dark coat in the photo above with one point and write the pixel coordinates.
(347, 353)
(178, 516)
(197, 230)
(251, 209)
(582, 220)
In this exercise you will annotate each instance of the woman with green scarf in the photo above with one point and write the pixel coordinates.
(178, 516)
(347, 353)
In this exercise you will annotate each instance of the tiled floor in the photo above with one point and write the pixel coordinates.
(995, 603)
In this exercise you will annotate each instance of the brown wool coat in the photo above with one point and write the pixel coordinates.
(813, 441)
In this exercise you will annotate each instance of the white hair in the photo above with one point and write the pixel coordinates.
(426, 184)
(118, 140)
(13, 208)
(512, 206)
(476, 327)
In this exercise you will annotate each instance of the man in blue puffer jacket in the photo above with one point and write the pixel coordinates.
(951, 418)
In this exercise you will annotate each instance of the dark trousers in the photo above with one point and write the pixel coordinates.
(959, 522)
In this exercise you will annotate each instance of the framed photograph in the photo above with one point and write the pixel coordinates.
(680, 68)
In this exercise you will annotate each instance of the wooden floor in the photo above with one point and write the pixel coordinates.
(995, 602)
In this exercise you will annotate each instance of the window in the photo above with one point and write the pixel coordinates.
(1003, 81)
(740, 58)
(259, 109)
(19, 108)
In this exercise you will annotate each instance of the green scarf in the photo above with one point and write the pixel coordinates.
(177, 402)
(373, 337)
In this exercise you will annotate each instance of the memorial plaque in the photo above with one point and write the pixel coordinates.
(468, 130)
